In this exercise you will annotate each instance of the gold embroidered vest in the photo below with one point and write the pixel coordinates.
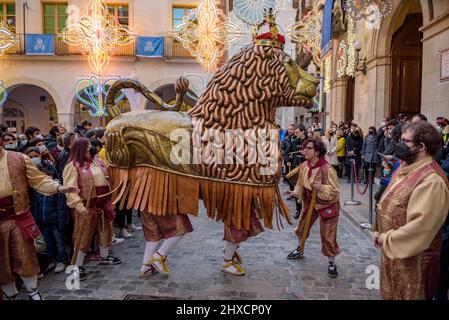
(19, 182)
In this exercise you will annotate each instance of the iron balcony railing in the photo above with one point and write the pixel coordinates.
(172, 49)
(64, 49)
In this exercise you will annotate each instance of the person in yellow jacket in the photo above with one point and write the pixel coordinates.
(341, 152)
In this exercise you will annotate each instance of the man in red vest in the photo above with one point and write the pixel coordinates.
(17, 226)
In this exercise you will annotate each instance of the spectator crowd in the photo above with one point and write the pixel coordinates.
(50, 153)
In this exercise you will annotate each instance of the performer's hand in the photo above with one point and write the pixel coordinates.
(389, 157)
(288, 193)
(84, 212)
(375, 238)
(289, 164)
(68, 189)
(317, 184)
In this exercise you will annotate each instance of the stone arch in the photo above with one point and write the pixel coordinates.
(380, 50)
(381, 44)
(40, 102)
(14, 83)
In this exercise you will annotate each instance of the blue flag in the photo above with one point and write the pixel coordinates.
(326, 29)
(40, 44)
(152, 47)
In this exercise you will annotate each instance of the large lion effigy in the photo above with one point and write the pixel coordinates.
(242, 97)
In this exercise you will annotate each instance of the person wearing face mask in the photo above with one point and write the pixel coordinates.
(17, 226)
(92, 212)
(9, 142)
(369, 153)
(354, 144)
(30, 133)
(410, 215)
(39, 143)
(381, 136)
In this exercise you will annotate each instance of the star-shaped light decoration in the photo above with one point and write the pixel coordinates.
(91, 92)
(307, 32)
(7, 38)
(208, 35)
(3, 94)
(98, 34)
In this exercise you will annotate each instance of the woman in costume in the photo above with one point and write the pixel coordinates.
(317, 175)
(92, 208)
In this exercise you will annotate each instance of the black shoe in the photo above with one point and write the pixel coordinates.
(295, 254)
(82, 273)
(332, 270)
(110, 260)
(297, 215)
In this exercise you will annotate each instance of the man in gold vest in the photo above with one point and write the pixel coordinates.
(410, 215)
(17, 226)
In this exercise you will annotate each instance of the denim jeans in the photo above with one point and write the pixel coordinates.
(54, 238)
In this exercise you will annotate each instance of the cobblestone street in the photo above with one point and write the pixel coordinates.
(195, 264)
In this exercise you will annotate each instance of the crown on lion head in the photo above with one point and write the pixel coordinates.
(271, 38)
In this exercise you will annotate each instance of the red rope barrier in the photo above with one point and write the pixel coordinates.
(357, 181)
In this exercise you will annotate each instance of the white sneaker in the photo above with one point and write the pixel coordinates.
(233, 268)
(117, 240)
(60, 267)
(133, 228)
(124, 233)
(50, 267)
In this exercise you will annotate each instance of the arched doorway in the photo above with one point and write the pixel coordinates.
(406, 67)
(168, 95)
(29, 105)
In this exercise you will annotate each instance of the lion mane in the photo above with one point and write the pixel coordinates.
(244, 94)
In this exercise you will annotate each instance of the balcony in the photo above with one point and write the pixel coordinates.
(175, 50)
(63, 49)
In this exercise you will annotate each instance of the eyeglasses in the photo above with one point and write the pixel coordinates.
(309, 148)
(409, 141)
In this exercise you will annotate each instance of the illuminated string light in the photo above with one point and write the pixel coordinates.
(98, 33)
(3, 94)
(7, 38)
(327, 74)
(91, 92)
(207, 35)
(307, 31)
(342, 58)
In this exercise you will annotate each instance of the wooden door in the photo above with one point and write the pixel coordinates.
(406, 67)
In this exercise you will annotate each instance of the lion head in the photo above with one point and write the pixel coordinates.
(244, 94)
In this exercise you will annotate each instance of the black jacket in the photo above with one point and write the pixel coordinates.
(355, 144)
(62, 161)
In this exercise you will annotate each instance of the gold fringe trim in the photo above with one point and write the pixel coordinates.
(165, 193)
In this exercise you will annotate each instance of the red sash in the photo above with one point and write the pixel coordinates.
(103, 202)
(25, 221)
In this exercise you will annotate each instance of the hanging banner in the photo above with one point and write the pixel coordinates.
(326, 31)
(40, 44)
(150, 47)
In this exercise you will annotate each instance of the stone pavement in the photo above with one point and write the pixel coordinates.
(196, 262)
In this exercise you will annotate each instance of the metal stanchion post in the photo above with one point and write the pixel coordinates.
(352, 202)
(369, 225)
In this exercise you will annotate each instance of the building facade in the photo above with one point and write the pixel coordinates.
(407, 61)
(41, 88)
